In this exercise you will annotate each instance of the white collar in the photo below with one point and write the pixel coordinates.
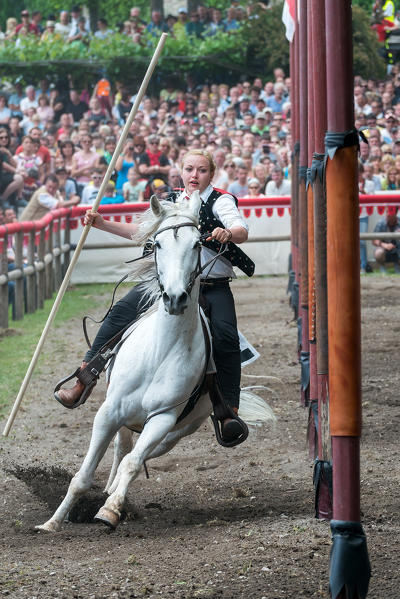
(203, 196)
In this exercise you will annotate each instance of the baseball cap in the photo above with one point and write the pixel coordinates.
(260, 115)
(158, 183)
(182, 10)
(244, 98)
(24, 13)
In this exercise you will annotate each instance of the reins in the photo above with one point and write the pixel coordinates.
(151, 249)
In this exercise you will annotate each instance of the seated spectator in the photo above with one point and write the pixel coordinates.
(67, 186)
(153, 164)
(239, 187)
(174, 178)
(278, 186)
(254, 189)
(159, 188)
(96, 114)
(63, 27)
(76, 107)
(29, 101)
(388, 251)
(391, 181)
(67, 150)
(103, 31)
(44, 110)
(124, 162)
(46, 198)
(90, 191)
(133, 188)
(11, 182)
(110, 196)
(83, 162)
(277, 101)
(5, 111)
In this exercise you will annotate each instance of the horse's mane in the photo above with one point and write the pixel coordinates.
(144, 271)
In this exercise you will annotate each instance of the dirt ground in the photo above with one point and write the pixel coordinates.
(210, 522)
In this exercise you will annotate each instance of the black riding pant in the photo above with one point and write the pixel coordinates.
(221, 308)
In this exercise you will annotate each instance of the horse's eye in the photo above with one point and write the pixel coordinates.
(157, 244)
(197, 245)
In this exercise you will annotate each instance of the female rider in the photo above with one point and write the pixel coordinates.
(220, 216)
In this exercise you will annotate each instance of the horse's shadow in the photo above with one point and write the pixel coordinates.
(49, 485)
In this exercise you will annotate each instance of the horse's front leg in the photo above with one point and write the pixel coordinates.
(104, 428)
(153, 433)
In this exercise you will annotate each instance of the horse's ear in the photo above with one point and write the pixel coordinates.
(195, 203)
(156, 207)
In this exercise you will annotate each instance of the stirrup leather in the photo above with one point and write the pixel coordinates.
(88, 376)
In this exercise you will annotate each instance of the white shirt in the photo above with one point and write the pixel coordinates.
(283, 190)
(48, 201)
(27, 103)
(225, 210)
(89, 194)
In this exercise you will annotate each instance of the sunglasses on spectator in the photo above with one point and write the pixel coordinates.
(4, 137)
(254, 186)
(97, 177)
(231, 164)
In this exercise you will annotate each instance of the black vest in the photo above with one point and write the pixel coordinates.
(208, 222)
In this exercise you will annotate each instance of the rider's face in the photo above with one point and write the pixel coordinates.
(196, 173)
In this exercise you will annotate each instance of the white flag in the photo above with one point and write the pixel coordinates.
(288, 18)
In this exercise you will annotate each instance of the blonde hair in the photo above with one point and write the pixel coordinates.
(205, 154)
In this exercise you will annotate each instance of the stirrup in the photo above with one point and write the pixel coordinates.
(83, 396)
(218, 429)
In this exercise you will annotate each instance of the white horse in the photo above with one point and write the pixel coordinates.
(155, 370)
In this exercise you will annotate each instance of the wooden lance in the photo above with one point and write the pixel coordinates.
(85, 232)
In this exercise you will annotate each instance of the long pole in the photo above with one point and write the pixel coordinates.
(85, 233)
(344, 321)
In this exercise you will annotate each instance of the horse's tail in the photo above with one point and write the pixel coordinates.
(253, 409)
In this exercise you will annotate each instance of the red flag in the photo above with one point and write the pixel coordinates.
(288, 18)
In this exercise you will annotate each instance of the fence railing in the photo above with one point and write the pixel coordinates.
(35, 255)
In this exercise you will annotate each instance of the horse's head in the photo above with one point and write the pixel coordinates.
(177, 251)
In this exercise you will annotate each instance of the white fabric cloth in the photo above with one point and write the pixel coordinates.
(225, 210)
(48, 201)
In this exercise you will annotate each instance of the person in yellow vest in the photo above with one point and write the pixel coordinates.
(45, 199)
(384, 12)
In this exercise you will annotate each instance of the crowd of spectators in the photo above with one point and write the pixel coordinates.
(74, 26)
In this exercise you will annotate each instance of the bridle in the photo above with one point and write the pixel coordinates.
(198, 269)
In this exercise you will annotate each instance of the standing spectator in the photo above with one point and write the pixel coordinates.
(49, 33)
(179, 27)
(134, 17)
(278, 186)
(76, 16)
(37, 19)
(76, 107)
(387, 251)
(157, 26)
(63, 26)
(230, 23)
(217, 23)
(83, 161)
(26, 24)
(240, 188)
(102, 92)
(194, 27)
(67, 187)
(46, 198)
(103, 32)
(11, 28)
(123, 107)
(29, 101)
(277, 101)
(79, 33)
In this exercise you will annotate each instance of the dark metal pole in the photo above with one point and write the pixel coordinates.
(303, 213)
(344, 322)
(323, 466)
(313, 409)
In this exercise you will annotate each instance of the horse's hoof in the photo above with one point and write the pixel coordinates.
(108, 517)
(48, 527)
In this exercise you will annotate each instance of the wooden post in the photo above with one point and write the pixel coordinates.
(19, 283)
(41, 276)
(344, 322)
(4, 285)
(31, 277)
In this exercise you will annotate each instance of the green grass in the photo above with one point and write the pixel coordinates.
(17, 347)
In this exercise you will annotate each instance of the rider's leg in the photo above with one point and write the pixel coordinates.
(125, 311)
(226, 350)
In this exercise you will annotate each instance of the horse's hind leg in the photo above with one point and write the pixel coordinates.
(122, 446)
(102, 433)
(153, 433)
